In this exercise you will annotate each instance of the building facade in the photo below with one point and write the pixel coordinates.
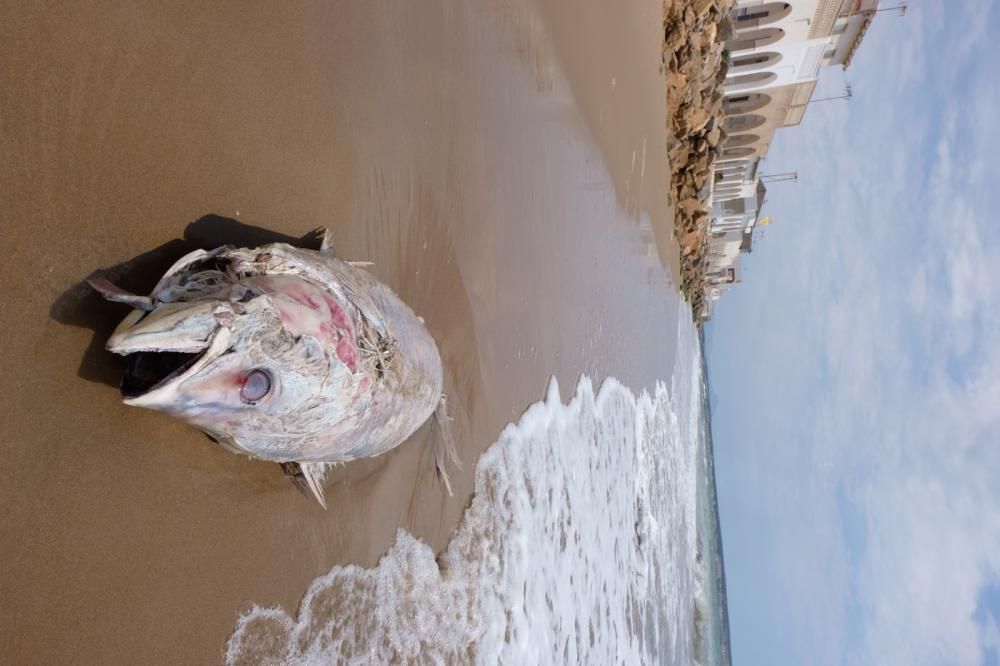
(775, 51)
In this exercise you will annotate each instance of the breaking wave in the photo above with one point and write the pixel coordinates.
(579, 546)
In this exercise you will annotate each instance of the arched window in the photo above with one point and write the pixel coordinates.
(752, 61)
(728, 162)
(741, 140)
(730, 180)
(726, 169)
(738, 105)
(744, 151)
(760, 15)
(749, 81)
(731, 165)
(735, 124)
(754, 39)
(729, 188)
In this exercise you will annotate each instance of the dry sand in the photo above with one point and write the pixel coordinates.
(494, 161)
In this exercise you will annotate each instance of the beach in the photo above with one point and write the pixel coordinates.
(502, 165)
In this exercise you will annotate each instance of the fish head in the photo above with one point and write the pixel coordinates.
(231, 364)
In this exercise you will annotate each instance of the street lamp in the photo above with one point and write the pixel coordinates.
(901, 8)
(848, 93)
(788, 177)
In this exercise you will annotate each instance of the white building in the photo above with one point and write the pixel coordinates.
(775, 54)
(776, 51)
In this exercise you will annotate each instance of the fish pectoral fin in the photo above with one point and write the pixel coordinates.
(444, 444)
(308, 478)
(112, 292)
(326, 245)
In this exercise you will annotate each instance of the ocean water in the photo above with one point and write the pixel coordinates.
(711, 605)
(589, 540)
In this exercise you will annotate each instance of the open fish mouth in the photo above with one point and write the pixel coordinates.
(146, 371)
(154, 377)
(164, 346)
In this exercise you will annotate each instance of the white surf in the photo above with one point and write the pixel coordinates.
(579, 547)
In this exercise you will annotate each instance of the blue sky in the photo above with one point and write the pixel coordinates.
(856, 371)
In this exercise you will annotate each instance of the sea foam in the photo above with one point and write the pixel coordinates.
(579, 546)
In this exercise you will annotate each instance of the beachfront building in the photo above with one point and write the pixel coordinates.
(733, 220)
(739, 210)
(723, 259)
(775, 53)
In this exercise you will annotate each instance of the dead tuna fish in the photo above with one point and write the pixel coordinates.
(282, 354)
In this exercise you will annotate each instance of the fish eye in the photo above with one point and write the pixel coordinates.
(256, 385)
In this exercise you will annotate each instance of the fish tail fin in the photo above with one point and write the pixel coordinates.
(444, 445)
(308, 478)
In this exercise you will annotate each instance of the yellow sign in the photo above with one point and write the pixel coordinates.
(764, 221)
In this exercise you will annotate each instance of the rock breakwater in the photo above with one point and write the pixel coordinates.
(695, 66)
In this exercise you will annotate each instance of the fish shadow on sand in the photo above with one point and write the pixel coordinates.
(81, 306)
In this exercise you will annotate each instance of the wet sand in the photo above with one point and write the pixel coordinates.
(502, 164)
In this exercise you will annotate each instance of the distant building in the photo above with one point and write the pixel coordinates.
(775, 54)
(740, 208)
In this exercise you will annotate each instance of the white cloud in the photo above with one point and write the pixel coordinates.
(881, 305)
